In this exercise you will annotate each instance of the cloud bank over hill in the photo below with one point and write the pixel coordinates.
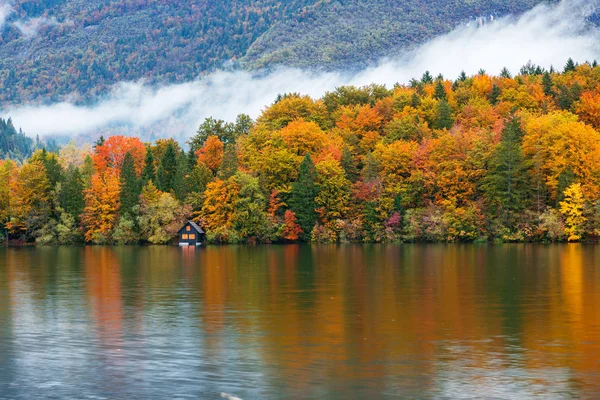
(546, 35)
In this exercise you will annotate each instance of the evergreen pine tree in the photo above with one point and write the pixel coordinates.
(149, 172)
(229, 165)
(167, 169)
(87, 170)
(548, 85)
(506, 184)
(130, 185)
(494, 95)
(348, 163)
(415, 101)
(99, 142)
(427, 78)
(179, 186)
(570, 66)
(192, 159)
(443, 117)
(304, 191)
(439, 91)
(71, 198)
(462, 77)
(505, 73)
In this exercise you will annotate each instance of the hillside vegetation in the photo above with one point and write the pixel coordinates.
(51, 50)
(476, 159)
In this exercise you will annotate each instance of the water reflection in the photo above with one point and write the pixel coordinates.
(300, 321)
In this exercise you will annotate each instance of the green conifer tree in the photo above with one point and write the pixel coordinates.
(443, 117)
(130, 185)
(71, 198)
(548, 85)
(179, 186)
(167, 169)
(439, 92)
(505, 73)
(494, 95)
(506, 184)
(570, 66)
(304, 191)
(149, 172)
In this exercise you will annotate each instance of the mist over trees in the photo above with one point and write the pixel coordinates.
(473, 159)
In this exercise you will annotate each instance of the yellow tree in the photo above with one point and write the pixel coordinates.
(6, 168)
(30, 198)
(303, 137)
(218, 208)
(101, 206)
(572, 209)
(332, 199)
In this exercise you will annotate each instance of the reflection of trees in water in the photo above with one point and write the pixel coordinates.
(315, 320)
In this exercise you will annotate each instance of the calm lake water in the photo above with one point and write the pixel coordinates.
(299, 322)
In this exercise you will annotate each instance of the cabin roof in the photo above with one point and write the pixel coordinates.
(193, 225)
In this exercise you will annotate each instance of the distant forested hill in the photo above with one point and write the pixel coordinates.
(54, 49)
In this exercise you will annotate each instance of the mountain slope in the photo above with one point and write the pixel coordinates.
(51, 50)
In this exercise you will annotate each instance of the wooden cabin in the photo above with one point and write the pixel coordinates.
(191, 234)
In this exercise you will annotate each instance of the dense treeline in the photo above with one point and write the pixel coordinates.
(16, 145)
(82, 48)
(481, 158)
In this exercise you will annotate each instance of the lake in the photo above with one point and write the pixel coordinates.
(300, 321)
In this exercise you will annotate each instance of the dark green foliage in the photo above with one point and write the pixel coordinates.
(415, 101)
(229, 165)
(167, 169)
(505, 73)
(192, 159)
(443, 117)
(149, 172)
(349, 164)
(198, 178)
(13, 144)
(304, 191)
(87, 170)
(179, 186)
(548, 85)
(570, 65)
(54, 170)
(495, 94)
(462, 77)
(71, 196)
(567, 96)
(506, 184)
(130, 185)
(372, 220)
(427, 78)
(439, 92)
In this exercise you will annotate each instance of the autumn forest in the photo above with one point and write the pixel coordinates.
(477, 159)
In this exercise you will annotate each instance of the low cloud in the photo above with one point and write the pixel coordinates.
(546, 35)
(5, 11)
(31, 27)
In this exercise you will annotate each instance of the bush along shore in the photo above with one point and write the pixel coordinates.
(477, 159)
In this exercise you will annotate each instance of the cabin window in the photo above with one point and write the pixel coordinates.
(184, 236)
(187, 228)
(192, 236)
